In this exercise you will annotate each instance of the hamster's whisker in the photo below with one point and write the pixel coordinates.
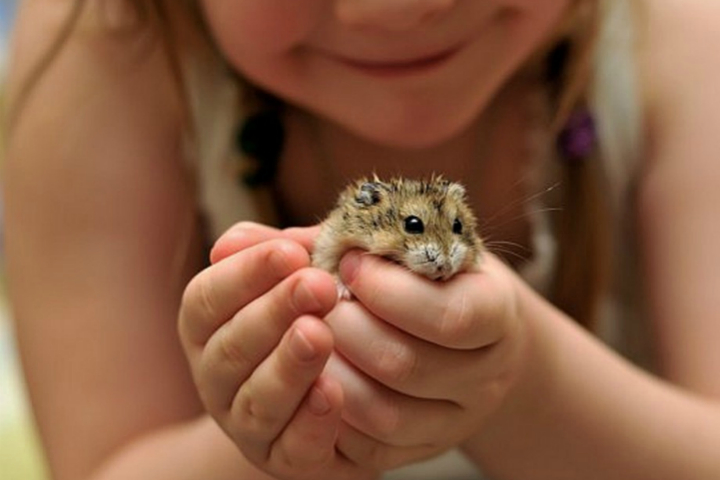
(518, 202)
(506, 243)
(516, 250)
(505, 252)
(486, 229)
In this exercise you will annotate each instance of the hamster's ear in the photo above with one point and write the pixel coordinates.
(456, 191)
(369, 194)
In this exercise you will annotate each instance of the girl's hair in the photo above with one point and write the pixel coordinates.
(145, 14)
(582, 226)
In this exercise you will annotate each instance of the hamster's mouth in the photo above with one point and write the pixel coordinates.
(434, 272)
(441, 277)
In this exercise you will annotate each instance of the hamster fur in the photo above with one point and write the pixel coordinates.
(425, 225)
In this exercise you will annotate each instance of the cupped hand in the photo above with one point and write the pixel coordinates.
(251, 327)
(423, 364)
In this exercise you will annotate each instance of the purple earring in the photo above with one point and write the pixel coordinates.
(578, 137)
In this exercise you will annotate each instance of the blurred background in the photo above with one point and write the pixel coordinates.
(20, 457)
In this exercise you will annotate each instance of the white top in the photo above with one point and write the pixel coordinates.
(213, 96)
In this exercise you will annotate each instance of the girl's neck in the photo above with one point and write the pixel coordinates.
(488, 156)
(343, 156)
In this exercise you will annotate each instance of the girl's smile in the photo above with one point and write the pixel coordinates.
(407, 73)
(392, 68)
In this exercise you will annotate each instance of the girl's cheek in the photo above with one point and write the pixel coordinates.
(261, 27)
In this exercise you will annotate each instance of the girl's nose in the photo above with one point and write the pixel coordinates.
(390, 15)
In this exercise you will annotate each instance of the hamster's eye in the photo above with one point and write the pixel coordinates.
(414, 225)
(457, 226)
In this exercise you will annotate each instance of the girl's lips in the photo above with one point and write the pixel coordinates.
(399, 68)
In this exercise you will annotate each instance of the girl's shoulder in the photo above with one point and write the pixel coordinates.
(680, 15)
(678, 59)
(100, 97)
(95, 39)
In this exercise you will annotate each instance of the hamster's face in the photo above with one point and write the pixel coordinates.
(426, 226)
(438, 238)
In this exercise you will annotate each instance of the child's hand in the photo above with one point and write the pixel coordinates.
(423, 364)
(252, 331)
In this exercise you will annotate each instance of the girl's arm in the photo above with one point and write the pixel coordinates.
(583, 412)
(100, 242)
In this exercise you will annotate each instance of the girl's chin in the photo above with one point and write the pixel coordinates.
(416, 134)
(412, 125)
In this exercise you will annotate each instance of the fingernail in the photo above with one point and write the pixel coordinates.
(226, 245)
(349, 266)
(305, 299)
(279, 262)
(301, 347)
(318, 403)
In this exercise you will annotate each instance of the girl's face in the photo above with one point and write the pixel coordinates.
(407, 73)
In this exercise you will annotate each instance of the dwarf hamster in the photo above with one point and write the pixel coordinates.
(425, 225)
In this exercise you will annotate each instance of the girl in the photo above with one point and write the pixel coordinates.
(122, 131)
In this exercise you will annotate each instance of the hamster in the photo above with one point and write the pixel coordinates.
(425, 225)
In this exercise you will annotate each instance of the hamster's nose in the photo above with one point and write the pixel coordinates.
(390, 15)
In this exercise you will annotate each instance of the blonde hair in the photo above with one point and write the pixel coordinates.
(153, 14)
(582, 226)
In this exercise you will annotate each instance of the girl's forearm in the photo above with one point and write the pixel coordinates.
(194, 450)
(582, 412)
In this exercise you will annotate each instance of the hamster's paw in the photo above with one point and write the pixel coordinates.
(344, 293)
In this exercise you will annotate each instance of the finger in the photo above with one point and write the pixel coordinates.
(243, 343)
(362, 449)
(408, 364)
(239, 237)
(266, 403)
(247, 234)
(391, 417)
(308, 441)
(466, 312)
(218, 292)
(305, 236)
